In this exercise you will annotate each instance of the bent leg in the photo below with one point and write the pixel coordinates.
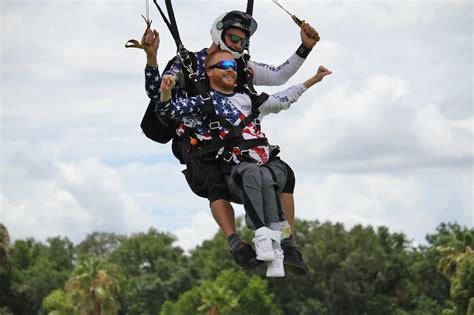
(223, 214)
(287, 197)
(246, 180)
(293, 259)
(288, 205)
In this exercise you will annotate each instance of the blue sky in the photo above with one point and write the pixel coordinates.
(387, 139)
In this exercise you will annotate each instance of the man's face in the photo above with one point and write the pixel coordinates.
(220, 71)
(233, 38)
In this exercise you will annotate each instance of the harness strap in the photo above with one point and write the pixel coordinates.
(247, 144)
(172, 20)
(235, 131)
(249, 7)
(248, 78)
(171, 23)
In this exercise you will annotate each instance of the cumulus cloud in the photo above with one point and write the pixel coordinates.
(75, 199)
(400, 201)
(202, 227)
(388, 136)
(374, 126)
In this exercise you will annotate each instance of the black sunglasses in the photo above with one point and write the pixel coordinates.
(236, 38)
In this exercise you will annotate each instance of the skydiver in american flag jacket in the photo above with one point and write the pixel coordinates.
(231, 31)
(253, 176)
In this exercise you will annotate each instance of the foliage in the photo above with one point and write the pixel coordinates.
(462, 285)
(90, 290)
(37, 270)
(99, 244)
(457, 265)
(154, 269)
(361, 270)
(5, 269)
(232, 292)
(58, 303)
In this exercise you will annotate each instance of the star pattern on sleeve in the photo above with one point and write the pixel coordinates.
(152, 82)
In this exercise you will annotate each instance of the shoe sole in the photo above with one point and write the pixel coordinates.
(266, 258)
(252, 265)
(279, 275)
(295, 268)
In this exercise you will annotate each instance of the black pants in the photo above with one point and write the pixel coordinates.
(206, 177)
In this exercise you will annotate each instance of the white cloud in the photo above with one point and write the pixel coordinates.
(75, 199)
(203, 227)
(388, 136)
(373, 125)
(413, 202)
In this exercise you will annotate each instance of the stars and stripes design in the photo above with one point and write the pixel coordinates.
(152, 82)
(188, 110)
(200, 60)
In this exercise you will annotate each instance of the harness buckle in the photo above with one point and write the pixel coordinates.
(227, 156)
(214, 125)
(192, 75)
(257, 122)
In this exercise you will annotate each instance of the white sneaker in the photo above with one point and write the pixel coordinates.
(264, 248)
(275, 268)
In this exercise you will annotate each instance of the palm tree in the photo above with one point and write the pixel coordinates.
(216, 299)
(4, 248)
(92, 289)
(458, 249)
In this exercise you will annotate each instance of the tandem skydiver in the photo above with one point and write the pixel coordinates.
(256, 174)
(231, 31)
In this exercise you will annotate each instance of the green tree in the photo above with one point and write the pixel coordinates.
(92, 289)
(5, 270)
(462, 285)
(457, 265)
(232, 292)
(361, 271)
(99, 244)
(58, 303)
(210, 258)
(154, 271)
(37, 270)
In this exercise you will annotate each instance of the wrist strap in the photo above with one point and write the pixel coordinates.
(303, 51)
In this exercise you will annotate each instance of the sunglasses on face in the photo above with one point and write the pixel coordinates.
(237, 39)
(224, 65)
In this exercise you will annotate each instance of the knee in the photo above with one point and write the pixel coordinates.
(220, 204)
(252, 175)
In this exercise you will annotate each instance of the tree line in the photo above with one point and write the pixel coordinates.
(362, 270)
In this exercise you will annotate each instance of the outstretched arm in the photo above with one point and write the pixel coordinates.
(318, 77)
(283, 100)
